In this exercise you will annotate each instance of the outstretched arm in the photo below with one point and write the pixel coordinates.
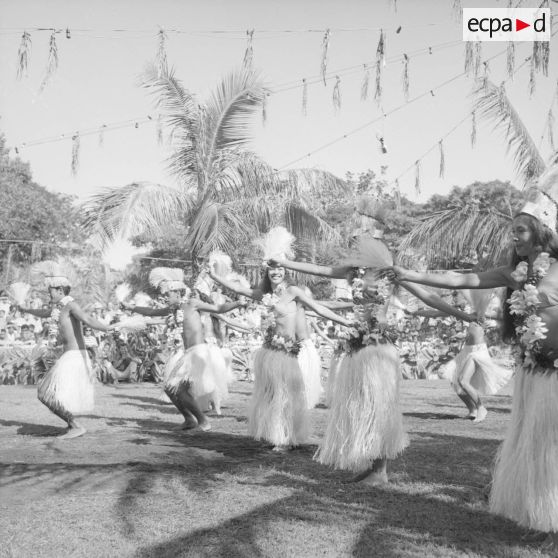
(235, 287)
(35, 312)
(218, 308)
(77, 312)
(240, 326)
(317, 329)
(437, 302)
(499, 277)
(146, 311)
(313, 269)
(300, 296)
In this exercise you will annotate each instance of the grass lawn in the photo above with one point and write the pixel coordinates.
(134, 487)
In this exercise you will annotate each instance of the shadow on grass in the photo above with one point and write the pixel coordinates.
(435, 416)
(31, 429)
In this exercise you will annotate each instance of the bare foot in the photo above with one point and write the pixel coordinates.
(481, 414)
(187, 425)
(472, 415)
(281, 449)
(204, 426)
(375, 479)
(73, 432)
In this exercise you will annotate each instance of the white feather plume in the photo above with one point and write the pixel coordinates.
(478, 299)
(142, 299)
(133, 323)
(220, 263)
(122, 292)
(277, 243)
(160, 274)
(19, 291)
(204, 284)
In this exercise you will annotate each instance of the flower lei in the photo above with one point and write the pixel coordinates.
(529, 328)
(369, 331)
(282, 343)
(54, 320)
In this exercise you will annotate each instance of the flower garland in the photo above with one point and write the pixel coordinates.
(529, 328)
(276, 342)
(54, 320)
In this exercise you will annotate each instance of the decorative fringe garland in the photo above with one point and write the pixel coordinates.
(248, 61)
(394, 4)
(457, 10)
(162, 65)
(159, 129)
(510, 59)
(477, 58)
(365, 82)
(417, 176)
(442, 159)
(473, 129)
(23, 55)
(304, 97)
(75, 153)
(406, 76)
(485, 74)
(325, 46)
(102, 135)
(469, 56)
(380, 61)
(397, 195)
(337, 94)
(550, 124)
(532, 82)
(52, 63)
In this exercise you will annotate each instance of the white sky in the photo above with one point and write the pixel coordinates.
(97, 83)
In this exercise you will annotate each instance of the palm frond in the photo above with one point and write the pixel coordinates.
(229, 112)
(297, 183)
(307, 226)
(448, 236)
(493, 104)
(140, 207)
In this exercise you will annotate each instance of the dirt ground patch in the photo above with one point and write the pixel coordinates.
(134, 487)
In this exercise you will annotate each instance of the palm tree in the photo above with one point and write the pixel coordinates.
(227, 194)
(454, 234)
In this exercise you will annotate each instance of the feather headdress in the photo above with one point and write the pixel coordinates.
(54, 273)
(370, 253)
(133, 323)
(204, 284)
(238, 280)
(220, 263)
(277, 243)
(19, 291)
(167, 279)
(142, 299)
(122, 292)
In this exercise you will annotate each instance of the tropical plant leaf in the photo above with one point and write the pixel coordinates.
(493, 104)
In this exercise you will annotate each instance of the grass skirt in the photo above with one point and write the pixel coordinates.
(278, 411)
(334, 364)
(68, 386)
(203, 367)
(489, 377)
(364, 422)
(525, 483)
(226, 377)
(311, 368)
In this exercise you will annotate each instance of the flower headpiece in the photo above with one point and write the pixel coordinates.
(277, 243)
(168, 279)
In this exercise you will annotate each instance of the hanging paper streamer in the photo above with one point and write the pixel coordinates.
(457, 10)
(397, 195)
(52, 63)
(304, 97)
(469, 56)
(417, 177)
(159, 129)
(473, 129)
(162, 65)
(23, 55)
(365, 82)
(102, 135)
(380, 61)
(442, 159)
(510, 59)
(264, 107)
(325, 47)
(249, 52)
(75, 153)
(486, 73)
(406, 76)
(337, 94)
(550, 124)
(394, 4)
(477, 59)
(533, 67)
(383, 148)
